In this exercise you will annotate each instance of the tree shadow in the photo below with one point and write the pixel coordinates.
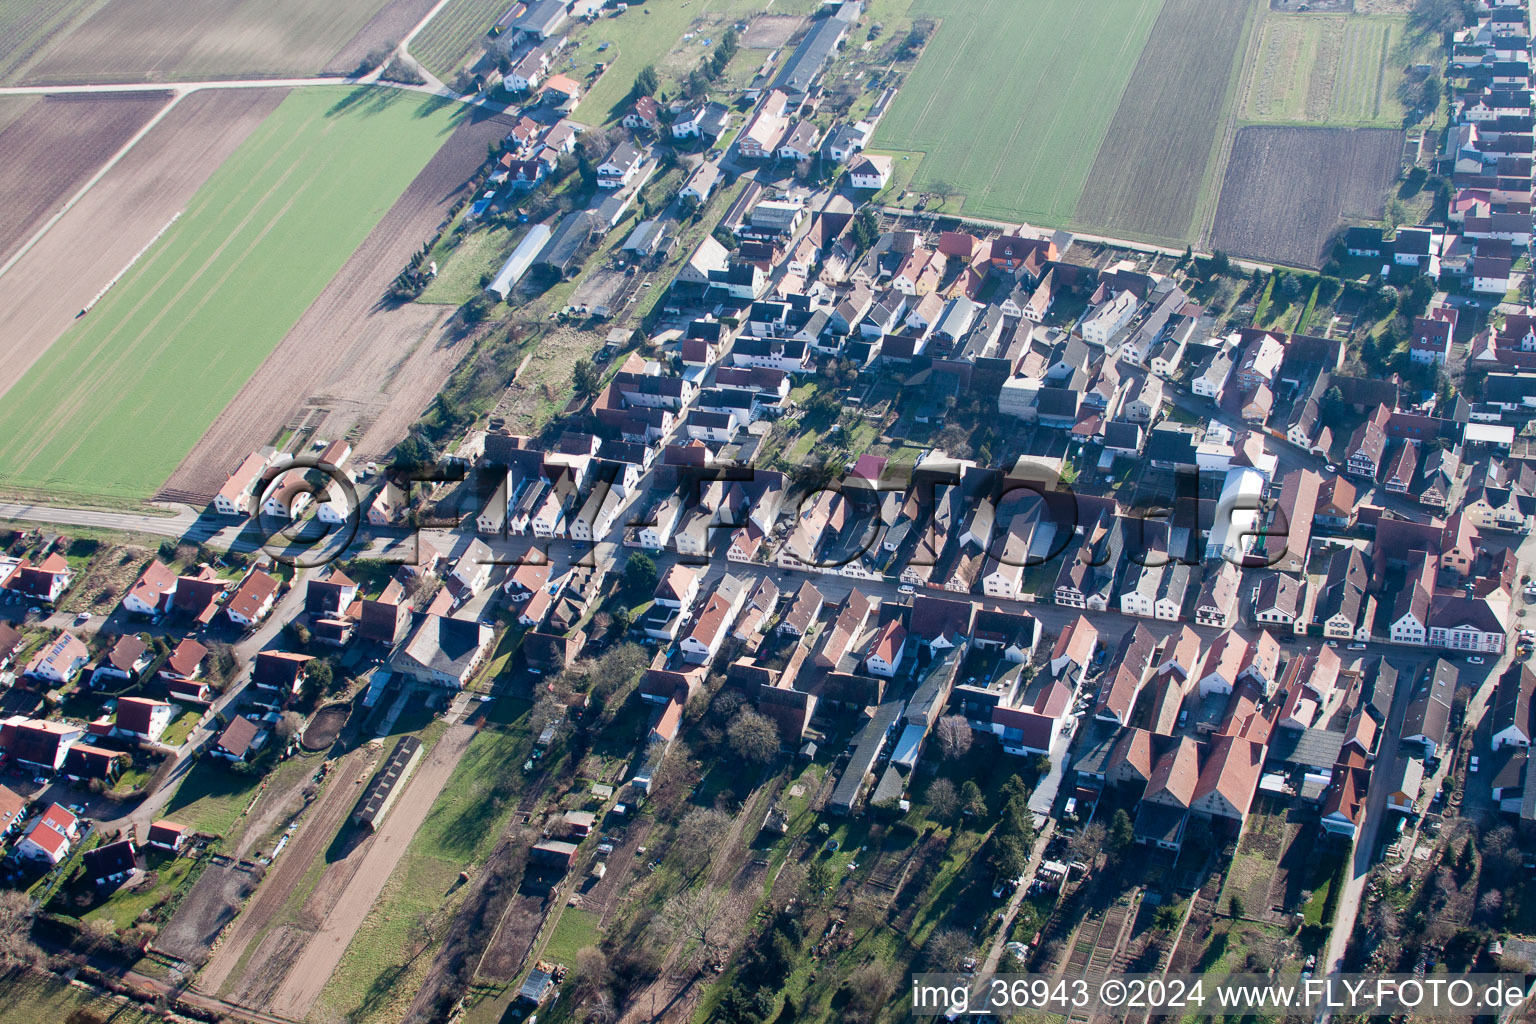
(366, 99)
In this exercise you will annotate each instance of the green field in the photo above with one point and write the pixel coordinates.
(120, 398)
(453, 36)
(481, 252)
(1327, 69)
(1012, 98)
(576, 930)
(646, 34)
(212, 797)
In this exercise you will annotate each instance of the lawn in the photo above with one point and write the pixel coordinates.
(479, 253)
(176, 733)
(123, 907)
(120, 398)
(462, 828)
(452, 38)
(212, 797)
(1020, 139)
(1326, 69)
(576, 930)
(644, 35)
(37, 998)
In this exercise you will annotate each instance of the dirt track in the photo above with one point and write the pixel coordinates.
(319, 958)
(319, 826)
(95, 241)
(365, 364)
(52, 148)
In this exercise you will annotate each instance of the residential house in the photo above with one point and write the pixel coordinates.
(141, 718)
(59, 661)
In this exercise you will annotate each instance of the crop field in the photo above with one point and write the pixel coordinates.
(135, 40)
(1154, 172)
(48, 152)
(1017, 141)
(1326, 69)
(1287, 189)
(42, 293)
(115, 403)
(32, 997)
(454, 34)
(359, 363)
(28, 25)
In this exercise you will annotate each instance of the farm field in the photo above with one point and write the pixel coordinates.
(464, 824)
(1326, 69)
(76, 259)
(1056, 72)
(37, 998)
(28, 25)
(54, 146)
(317, 829)
(328, 969)
(360, 364)
(135, 40)
(1153, 175)
(454, 34)
(1287, 189)
(114, 405)
(386, 28)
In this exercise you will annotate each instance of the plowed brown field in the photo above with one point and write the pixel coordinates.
(360, 363)
(161, 40)
(48, 152)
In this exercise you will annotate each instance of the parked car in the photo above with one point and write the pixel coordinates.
(1472, 763)
(1476, 659)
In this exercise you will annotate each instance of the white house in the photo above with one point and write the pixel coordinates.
(870, 171)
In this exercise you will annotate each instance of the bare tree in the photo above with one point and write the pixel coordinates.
(16, 946)
(289, 725)
(954, 734)
(591, 974)
(868, 989)
(946, 948)
(696, 836)
(699, 920)
(1086, 844)
(754, 737)
(943, 801)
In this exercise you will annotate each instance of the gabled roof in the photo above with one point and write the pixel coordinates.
(111, 859)
(134, 714)
(187, 656)
(238, 736)
(1176, 774)
(1232, 770)
(253, 592)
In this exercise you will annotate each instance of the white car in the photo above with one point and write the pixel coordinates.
(82, 618)
(1476, 659)
(1331, 468)
(906, 588)
(1472, 763)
